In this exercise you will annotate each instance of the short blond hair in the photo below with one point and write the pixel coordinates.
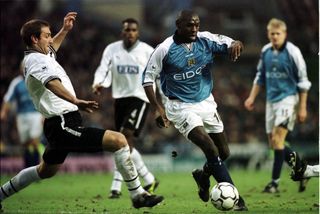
(276, 23)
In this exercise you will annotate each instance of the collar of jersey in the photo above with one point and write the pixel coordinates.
(132, 47)
(282, 47)
(31, 50)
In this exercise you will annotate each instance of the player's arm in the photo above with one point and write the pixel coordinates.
(103, 75)
(150, 74)
(302, 107)
(224, 44)
(258, 82)
(249, 102)
(56, 87)
(161, 118)
(5, 108)
(303, 83)
(9, 98)
(68, 21)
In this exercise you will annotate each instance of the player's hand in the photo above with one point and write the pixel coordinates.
(97, 89)
(162, 120)
(3, 115)
(68, 21)
(87, 106)
(302, 115)
(235, 50)
(249, 104)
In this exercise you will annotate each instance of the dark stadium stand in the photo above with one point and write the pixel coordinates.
(82, 49)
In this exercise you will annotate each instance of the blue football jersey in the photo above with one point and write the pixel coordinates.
(282, 72)
(18, 93)
(185, 69)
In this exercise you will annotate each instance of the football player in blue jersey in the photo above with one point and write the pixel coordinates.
(29, 121)
(282, 72)
(184, 61)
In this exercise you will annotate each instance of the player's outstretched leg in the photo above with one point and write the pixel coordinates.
(23, 179)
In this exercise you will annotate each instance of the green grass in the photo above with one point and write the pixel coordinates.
(87, 193)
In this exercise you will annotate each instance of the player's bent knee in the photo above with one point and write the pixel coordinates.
(121, 140)
(113, 141)
(278, 146)
(276, 143)
(47, 171)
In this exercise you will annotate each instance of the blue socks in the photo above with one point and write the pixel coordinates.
(277, 164)
(218, 170)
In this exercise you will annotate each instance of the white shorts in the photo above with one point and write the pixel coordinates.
(283, 111)
(187, 116)
(29, 125)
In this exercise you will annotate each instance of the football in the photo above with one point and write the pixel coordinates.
(224, 196)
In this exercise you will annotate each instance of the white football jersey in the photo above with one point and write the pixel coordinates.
(123, 69)
(39, 69)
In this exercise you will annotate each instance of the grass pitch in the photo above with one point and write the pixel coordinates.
(87, 193)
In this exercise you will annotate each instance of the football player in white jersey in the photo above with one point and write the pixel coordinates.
(282, 72)
(54, 97)
(121, 66)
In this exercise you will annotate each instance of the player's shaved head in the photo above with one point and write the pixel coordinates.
(185, 16)
(188, 24)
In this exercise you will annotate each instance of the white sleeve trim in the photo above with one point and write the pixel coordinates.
(303, 82)
(218, 38)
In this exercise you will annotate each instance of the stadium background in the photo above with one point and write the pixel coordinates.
(99, 23)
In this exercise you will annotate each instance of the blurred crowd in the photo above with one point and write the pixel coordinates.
(83, 47)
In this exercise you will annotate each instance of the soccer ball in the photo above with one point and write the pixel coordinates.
(224, 196)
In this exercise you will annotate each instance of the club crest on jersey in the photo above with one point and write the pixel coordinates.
(191, 61)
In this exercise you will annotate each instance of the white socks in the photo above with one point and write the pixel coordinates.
(276, 181)
(117, 180)
(142, 170)
(311, 171)
(128, 171)
(18, 182)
